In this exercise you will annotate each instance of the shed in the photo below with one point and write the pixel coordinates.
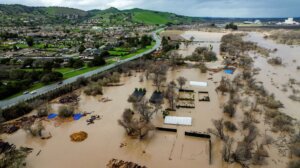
(178, 120)
(195, 83)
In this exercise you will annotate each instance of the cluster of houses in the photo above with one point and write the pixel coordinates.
(64, 44)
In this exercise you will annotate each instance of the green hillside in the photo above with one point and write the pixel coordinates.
(155, 17)
(11, 15)
(64, 11)
(150, 18)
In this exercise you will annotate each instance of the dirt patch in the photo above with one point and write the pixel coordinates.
(79, 136)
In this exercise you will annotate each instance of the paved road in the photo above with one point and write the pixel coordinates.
(7, 103)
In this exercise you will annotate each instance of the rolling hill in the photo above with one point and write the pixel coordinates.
(20, 15)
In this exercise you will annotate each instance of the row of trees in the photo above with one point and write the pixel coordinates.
(203, 54)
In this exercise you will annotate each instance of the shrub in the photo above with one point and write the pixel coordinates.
(259, 156)
(52, 76)
(295, 149)
(231, 26)
(93, 89)
(230, 126)
(16, 111)
(43, 111)
(229, 109)
(65, 111)
(294, 164)
(81, 81)
(275, 61)
(115, 77)
(203, 68)
(36, 129)
(282, 120)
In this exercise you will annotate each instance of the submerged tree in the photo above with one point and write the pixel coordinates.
(227, 150)
(181, 81)
(219, 129)
(171, 95)
(175, 58)
(14, 158)
(135, 127)
(145, 110)
(159, 71)
(224, 86)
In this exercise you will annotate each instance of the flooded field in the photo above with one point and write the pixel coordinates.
(107, 139)
(275, 78)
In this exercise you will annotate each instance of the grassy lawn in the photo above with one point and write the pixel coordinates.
(61, 70)
(79, 72)
(138, 51)
(117, 53)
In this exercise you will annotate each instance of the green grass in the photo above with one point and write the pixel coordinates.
(138, 51)
(22, 46)
(61, 70)
(151, 17)
(117, 53)
(79, 72)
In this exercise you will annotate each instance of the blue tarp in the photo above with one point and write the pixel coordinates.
(229, 71)
(52, 115)
(77, 116)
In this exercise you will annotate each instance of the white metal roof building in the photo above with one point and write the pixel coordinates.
(178, 120)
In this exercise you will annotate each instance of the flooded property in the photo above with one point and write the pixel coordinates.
(107, 140)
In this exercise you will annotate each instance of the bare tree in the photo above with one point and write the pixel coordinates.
(145, 110)
(175, 58)
(171, 94)
(224, 85)
(219, 129)
(227, 149)
(133, 126)
(181, 81)
(159, 71)
(127, 122)
(260, 155)
(242, 155)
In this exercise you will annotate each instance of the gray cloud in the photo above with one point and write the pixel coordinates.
(216, 8)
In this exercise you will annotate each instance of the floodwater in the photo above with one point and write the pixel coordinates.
(159, 149)
(202, 39)
(274, 77)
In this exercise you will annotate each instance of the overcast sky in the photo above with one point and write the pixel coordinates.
(213, 8)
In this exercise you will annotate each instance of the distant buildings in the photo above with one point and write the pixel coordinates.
(289, 21)
(255, 22)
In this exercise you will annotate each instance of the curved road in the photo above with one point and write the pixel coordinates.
(7, 103)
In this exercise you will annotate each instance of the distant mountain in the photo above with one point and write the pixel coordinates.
(20, 14)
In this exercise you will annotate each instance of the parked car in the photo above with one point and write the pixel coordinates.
(25, 93)
(61, 82)
(33, 92)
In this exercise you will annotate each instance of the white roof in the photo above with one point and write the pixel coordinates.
(178, 120)
(194, 83)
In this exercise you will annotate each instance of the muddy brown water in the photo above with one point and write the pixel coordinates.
(273, 77)
(159, 149)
